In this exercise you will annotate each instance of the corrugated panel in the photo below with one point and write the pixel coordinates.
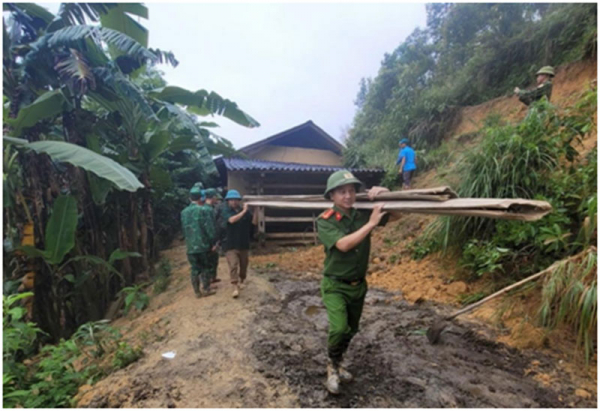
(238, 164)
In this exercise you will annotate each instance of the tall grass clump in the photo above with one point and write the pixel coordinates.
(570, 296)
(535, 159)
(539, 158)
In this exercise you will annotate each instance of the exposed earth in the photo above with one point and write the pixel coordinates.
(266, 349)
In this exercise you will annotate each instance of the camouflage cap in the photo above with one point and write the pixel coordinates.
(211, 193)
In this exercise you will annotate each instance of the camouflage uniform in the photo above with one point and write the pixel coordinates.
(529, 96)
(221, 227)
(213, 256)
(200, 236)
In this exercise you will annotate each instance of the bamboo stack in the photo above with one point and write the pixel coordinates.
(438, 200)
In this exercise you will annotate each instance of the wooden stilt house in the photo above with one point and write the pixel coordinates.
(295, 161)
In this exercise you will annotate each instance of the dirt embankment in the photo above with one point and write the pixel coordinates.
(434, 278)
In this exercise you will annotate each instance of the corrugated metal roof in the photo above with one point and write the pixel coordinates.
(239, 164)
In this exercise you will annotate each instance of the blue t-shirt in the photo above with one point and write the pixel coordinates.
(409, 163)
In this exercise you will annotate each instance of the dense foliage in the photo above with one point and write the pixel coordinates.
(55, 375)
(99, 154)
(538, 158)
(469, 53)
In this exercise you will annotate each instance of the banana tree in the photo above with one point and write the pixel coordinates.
(72, 89)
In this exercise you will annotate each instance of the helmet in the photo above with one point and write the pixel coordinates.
(233, 195)
(199, 185)
(341, 178)
(403, 141)
(211, 193)
(546, 70)
(195, 190)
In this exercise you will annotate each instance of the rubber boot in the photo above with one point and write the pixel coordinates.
(333, 379)
(344, 374)
(196, 285)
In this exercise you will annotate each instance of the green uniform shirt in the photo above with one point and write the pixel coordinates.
(351, 265)
(198, 225)
(529, 96)
(237, 234)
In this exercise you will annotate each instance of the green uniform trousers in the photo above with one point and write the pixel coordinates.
(213, 263)
(344, 304)
(200, 267)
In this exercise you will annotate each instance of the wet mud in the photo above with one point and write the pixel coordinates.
(391, 359)
(266, 349)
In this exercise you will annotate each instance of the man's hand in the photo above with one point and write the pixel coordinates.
(375, 190)
(376, 215)
(245, 207)
(516, 90)
(214, 248)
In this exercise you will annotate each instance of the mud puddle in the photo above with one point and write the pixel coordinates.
(393, 363)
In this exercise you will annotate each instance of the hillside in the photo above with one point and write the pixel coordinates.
(434, 278)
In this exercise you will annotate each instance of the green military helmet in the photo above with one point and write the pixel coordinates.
(546, 70)
(195, 190)
(199, 185)
(211, 193)
(341, 178)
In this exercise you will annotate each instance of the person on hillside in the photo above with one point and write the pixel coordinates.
(200, 236)
(407, 161)
(213, 256)
(238, 219)
(544, 87)
(345, 232)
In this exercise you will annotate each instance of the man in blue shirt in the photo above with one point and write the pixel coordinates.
(408, 163)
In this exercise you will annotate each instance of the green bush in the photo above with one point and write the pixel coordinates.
(135, 297)
(125, 355)
(421, 247)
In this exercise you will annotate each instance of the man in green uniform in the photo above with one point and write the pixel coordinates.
(544, 87)
(213, 256)
(238, 219)
(221, 224)
(200, 237)
(346, 234)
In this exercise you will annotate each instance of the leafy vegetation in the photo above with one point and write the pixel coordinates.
(537, 158)
(99, 154)
(52, 377)
(135, 297)
(99, 151)
(455, 62)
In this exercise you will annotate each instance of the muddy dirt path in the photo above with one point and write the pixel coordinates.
(266, 349)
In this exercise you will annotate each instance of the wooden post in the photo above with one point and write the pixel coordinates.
(261, 226)
(261, 213)
(314, 228)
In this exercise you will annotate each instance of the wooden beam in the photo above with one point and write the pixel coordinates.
(290, 241)
(289, 219)
(288, 235)
(293, 186)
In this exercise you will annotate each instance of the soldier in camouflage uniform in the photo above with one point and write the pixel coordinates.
(213, 256)
(544, 87)
(221, 224)
(200, 237)
(345, 233)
